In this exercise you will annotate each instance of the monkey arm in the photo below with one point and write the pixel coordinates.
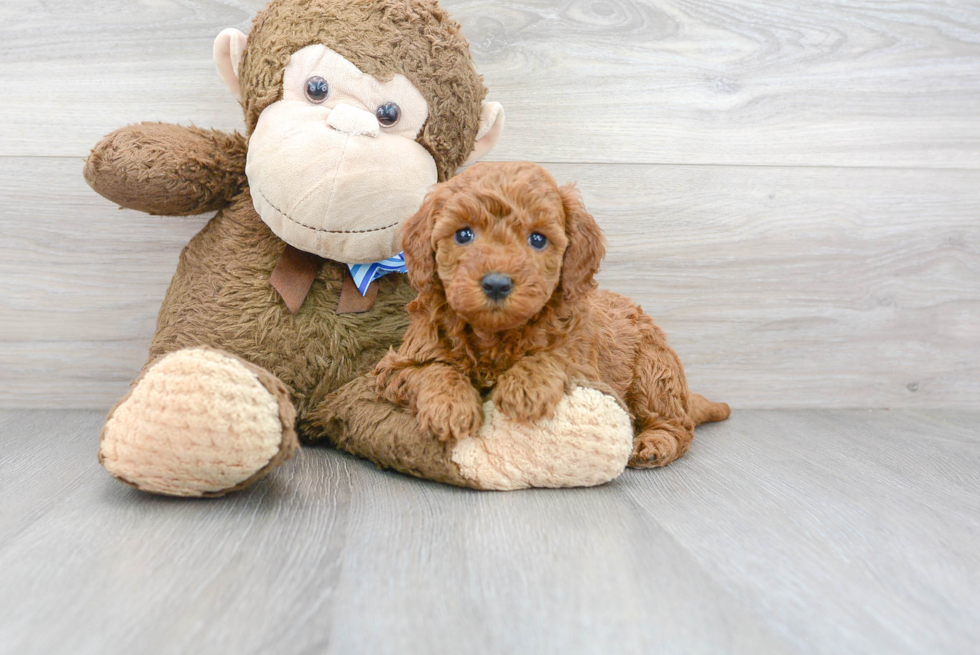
(168, 169)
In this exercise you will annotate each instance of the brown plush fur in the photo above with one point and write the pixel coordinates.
(167, 169)
(361, 424)
(220, 295)
(553, 327)
(233, 307)
(416, 38)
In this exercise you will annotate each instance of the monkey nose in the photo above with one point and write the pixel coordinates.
(496, 286)
(353, 121)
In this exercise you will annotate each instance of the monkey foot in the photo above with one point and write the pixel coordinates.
(199, 422)
(588, 442)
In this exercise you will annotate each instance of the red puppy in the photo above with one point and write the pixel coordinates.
(504, 263)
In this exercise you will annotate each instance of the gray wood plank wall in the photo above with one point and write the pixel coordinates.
(789, 188)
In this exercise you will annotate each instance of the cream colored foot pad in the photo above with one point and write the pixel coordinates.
(197, 422)
(588, 442)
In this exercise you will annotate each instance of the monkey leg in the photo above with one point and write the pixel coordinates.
(588, 442)
(199, 422)
(659, 401)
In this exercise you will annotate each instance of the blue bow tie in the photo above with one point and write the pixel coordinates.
(365, 274)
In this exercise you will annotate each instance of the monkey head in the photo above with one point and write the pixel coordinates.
(353, 109)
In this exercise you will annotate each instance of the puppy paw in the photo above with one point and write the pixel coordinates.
(653, 448)
(450, 416)
(523, 398)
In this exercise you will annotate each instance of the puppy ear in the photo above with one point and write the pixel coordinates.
(416, 241)
(586, 246)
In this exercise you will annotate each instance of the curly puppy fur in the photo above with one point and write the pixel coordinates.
(552, 328)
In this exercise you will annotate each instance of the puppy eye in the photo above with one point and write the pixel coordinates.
(317, 89)
(388, 114)
(463, 236)
(537, 240)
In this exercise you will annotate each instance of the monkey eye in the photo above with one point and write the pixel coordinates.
(317, 89)
(537, 240)
(463, 236)
(388, 114)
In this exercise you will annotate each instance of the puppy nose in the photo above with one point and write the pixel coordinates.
(496, 286)
(353, 121)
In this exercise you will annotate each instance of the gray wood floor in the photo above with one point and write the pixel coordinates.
(844, 531)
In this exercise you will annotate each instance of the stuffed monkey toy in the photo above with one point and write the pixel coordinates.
(280, 305)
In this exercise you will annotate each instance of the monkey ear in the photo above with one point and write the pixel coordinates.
(416, 241)
(491, 125)
(586, 246)
(228, 49)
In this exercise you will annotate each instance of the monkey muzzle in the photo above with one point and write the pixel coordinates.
(338, 187)
(353, 121)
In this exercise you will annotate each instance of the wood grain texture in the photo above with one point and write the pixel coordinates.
(811, 532)
(833, 83)
(844, 275)
(779, 287)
